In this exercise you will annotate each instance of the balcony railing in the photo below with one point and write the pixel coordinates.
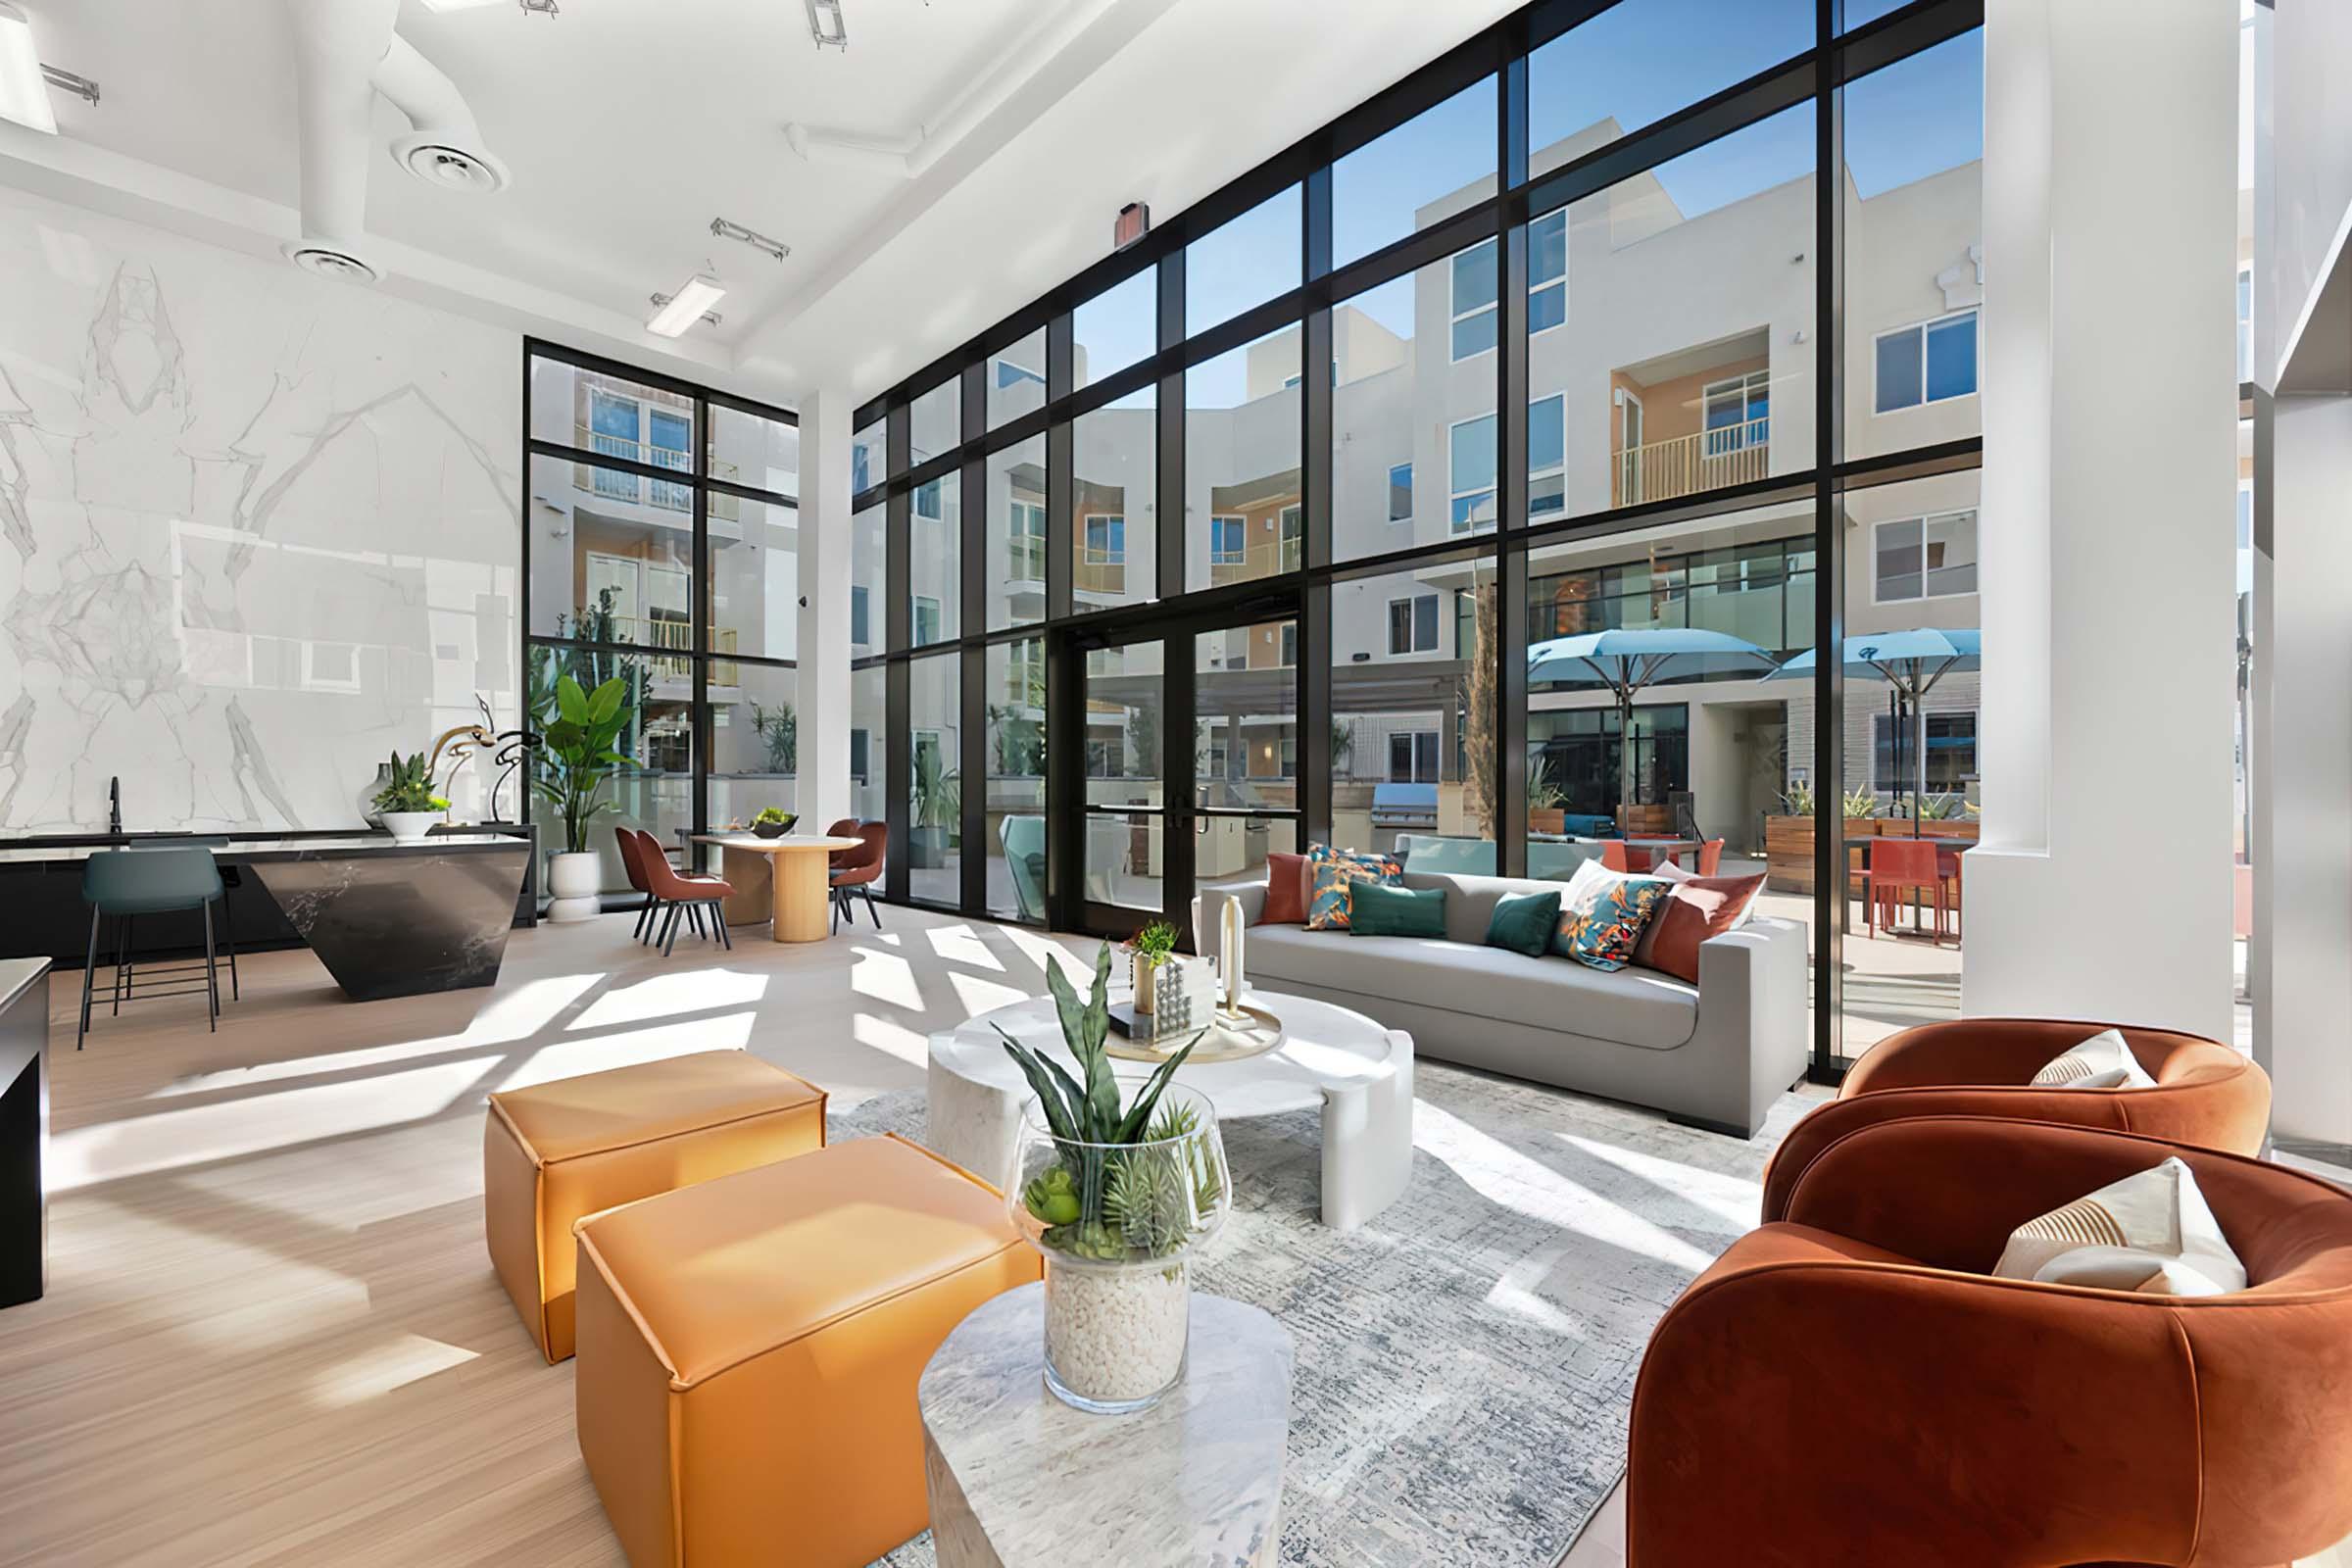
(663, 632)
(1690, 465)
(612, 485)
(1266, 560)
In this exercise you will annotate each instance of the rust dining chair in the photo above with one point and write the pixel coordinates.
(1898, 867)
(857, 871)
(1710, 857)
(690, 896)
(636, 849)
(1612, 855)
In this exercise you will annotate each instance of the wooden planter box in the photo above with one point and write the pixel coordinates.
(1789, 851)
(1540, 820)
(1647, 821)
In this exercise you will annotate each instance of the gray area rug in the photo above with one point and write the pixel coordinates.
(1465, 1362)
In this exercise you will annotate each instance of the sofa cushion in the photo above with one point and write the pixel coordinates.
(1377, 910)
(1522, 922)
(1604, 935)
(2152, 1233)
(1631, 1007)
(1696, 907)
(1579, 902)
(1286, 890)
(1470, 900)
(1335, 873)
(2102, 1060)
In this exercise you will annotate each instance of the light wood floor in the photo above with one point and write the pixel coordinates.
(272, 1335)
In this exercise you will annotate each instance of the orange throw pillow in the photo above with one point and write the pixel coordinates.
(1286, 890)
(1697, 908)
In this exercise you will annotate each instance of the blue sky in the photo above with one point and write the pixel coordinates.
(1636, 62)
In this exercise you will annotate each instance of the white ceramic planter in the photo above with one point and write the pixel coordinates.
(572, 882)
(409, 827)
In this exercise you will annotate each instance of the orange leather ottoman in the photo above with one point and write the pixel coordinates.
(749, 1350)
(556, 1151)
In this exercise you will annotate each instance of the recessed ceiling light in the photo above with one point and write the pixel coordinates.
(686, 306)
(23, 93)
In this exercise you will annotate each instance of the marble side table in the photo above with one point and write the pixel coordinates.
(1018, 1478)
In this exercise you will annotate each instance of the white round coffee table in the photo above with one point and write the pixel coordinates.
(1358, 1072)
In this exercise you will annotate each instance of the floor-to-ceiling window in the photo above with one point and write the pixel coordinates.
(661, 540)
(1647, 320)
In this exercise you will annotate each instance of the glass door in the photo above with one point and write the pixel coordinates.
(1126, 831)
(1244, 726)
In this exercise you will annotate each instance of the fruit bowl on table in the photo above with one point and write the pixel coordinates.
(775, 830)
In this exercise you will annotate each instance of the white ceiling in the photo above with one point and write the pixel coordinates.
(628, 124)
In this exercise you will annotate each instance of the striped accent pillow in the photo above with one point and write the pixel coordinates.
(2150, 1233)
(2103, 1062)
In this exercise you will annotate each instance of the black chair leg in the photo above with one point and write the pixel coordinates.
(872, 907)
(838, 898)
(123, 930)
(638, 930)
(718, 918)
(89, 974)
(229, 926)
(694, 912)
(669, 930)
(212, 976)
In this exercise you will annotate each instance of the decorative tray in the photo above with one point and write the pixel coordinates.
(1230, 1037)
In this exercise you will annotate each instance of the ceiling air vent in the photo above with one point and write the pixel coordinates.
(326, 262)
(437, 162)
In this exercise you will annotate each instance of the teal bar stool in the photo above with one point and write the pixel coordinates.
(125, 884)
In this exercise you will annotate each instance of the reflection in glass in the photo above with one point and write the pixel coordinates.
(1243, 263)
(936, 421)
(611, 558)
(755, 578)
(1016, 379)
(1234, 848)
(748, 450)
(1123, 861)
(1246, 716)
(935, 791)
(1016, 534)
(1017, 779)
(934, 553)
(1242, 467)
(869, 748)
(1117, 327)
(868, 450)
(1115, 539)
(1124, 689)
(1435, 165)
(611, 416)
(754, 730)
(1403, 650)
(870, 544)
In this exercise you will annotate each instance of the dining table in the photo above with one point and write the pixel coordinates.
(783, 880)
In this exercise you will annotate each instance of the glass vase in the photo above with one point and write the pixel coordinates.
(1118, 1225)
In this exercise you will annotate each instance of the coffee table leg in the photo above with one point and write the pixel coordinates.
(1368, 1141)
(969, 1123)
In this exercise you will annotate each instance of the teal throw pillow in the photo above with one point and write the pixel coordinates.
(1378, 911)
(1523, 922)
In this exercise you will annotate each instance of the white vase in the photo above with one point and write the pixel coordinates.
(573, 881)
(409, 827)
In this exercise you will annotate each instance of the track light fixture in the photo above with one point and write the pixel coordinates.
(750, 237)
(825, 25)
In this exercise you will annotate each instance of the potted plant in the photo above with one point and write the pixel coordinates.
(773, 822)
(406, 801)
(937, 808)
(578, 751)
(1116, 1199)
(1151, 947)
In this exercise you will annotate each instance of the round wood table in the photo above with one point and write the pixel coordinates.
(781, 880)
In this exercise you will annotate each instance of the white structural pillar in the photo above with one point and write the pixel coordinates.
(2102, 887)
(824, 644)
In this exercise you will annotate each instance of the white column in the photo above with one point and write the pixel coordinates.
(2103, 886)
(824, 644)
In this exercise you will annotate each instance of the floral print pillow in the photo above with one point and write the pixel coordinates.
(1604, 932)
(1332, 876)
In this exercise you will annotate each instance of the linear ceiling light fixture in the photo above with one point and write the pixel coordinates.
(24, 82)
(750, 237)
(690, 304)
(825, 25)
(543, 6)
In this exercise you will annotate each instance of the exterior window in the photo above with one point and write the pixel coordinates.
(1547, 272)
(1226, 541)
(1927, 363)
(1951, 752)
(1293, 537)
(1009, 375)
(1414, 625)
(1413, 756)
(926, 500)
(858, 754)
(1288, 654)
(1401, 493)
(1738, 413)
(1471, 492)
(2245, 323)
(1290, 756)
(860, 628)
(1926, 558)
(1547, 457)
(1106, 539)
(1025, 542)
(926, 620)
(861, 477)
(1475, 316)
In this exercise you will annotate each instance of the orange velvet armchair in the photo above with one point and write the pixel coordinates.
(1848, 1387)
(2206, 1094)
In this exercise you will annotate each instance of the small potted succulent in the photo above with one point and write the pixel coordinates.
(405, 800)
(1150, 948)
(1116, 1199)
(773, 822)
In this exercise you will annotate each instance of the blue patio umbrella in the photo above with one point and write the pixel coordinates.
(1912, 663)
(1630, 657)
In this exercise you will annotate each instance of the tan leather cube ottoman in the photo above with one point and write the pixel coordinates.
(749, 1350)
(556, 1151)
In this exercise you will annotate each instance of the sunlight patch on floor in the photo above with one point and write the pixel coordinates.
(1733, 1197)
(887, 978)
(665, 996)
(976, 995)
(910, 1045)
(960, 944)
(380, 1369)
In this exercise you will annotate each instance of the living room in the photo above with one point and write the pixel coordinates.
(640, 574)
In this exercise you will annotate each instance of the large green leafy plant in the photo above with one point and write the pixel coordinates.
(578, 749)
(1123, 1186)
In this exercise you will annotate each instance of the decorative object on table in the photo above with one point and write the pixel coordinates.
(370, 790)
(1151, 947)
(772, 823)
(1232, 929)
(513, 748)
(1116, 1199)
(1184, 996)
(578, 753)
(457, 744)
(407, 800)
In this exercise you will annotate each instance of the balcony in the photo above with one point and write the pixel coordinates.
(663, 632)
(1692, 464)
(1268, 559)
(634, 489)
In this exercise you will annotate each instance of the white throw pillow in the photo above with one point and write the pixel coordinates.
(2103, 1062)
(2150, 1233)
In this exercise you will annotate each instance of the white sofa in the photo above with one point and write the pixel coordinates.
(1715, 1055)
